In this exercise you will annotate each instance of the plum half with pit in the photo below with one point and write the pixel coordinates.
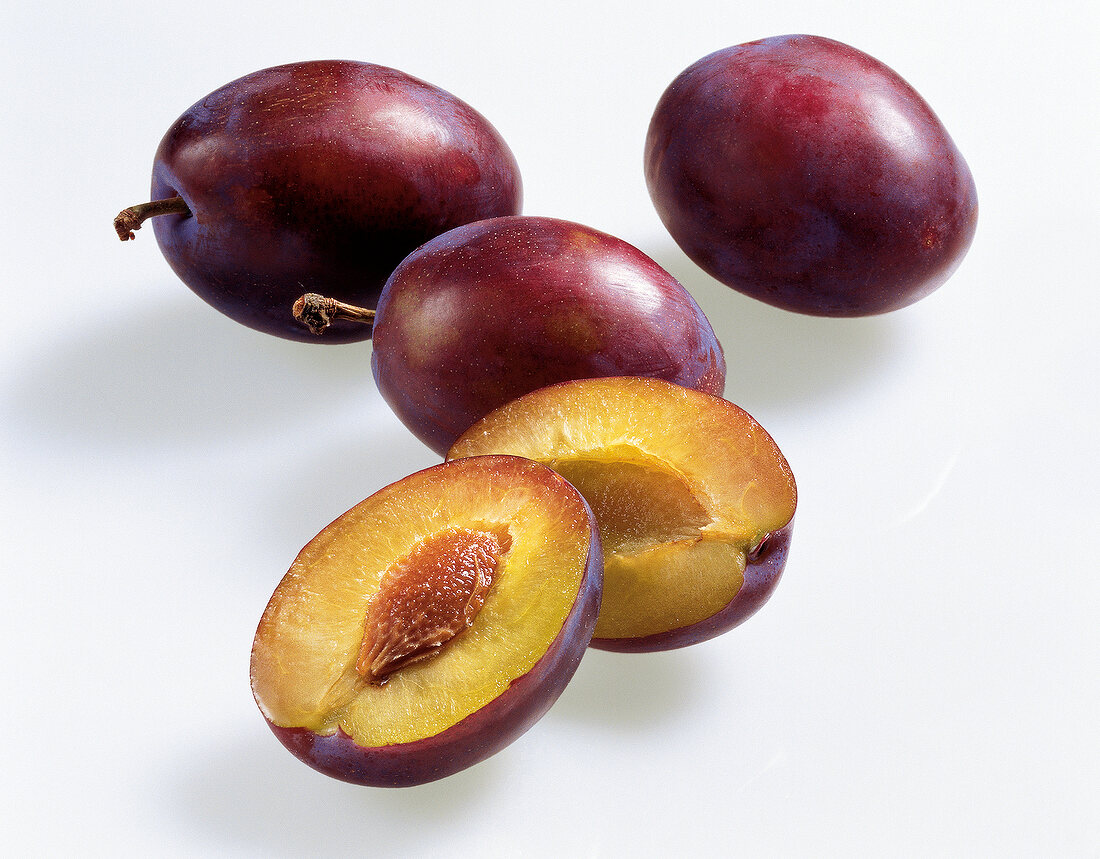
(432, 624)
(489, 311)
(694, 500)
(809, 175)
(317, 176)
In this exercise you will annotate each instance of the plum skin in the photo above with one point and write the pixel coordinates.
(811, 176)
(482, 733)
(321, 176)
(762, 574)
(493, 310)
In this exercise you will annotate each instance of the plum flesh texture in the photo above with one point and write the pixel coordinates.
(694, 500)
(496, 309)
(484, 686)
(321, 177)
(802, 172)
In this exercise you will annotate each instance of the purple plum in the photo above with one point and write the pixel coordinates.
(317, 176)
(802, 172)
(493, 310)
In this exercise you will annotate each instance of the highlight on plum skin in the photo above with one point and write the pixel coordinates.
(432, 624)
(811, 176)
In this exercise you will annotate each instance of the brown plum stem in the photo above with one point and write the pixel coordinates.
(318, 312)
(131, 219)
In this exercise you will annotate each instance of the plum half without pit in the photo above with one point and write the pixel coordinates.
(317, 176)
(694, 500)
(493, 310)
(431, 624)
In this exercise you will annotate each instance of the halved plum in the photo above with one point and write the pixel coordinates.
(431, 624)
(694, 500)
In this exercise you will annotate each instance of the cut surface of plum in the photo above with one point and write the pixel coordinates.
(694, 499)
(637, 500)
(432, 623)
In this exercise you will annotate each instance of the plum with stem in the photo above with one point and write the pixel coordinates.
(492, 310)
(317, 176)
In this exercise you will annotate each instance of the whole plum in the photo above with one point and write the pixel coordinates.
(317, 176)
(489, 311)
(807, 174)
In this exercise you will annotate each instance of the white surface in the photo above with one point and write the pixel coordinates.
(924, 682)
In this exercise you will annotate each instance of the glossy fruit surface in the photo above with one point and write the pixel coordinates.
(321, 176)
(694, 500)
(809, 175)
(493, 310)
(432, 624)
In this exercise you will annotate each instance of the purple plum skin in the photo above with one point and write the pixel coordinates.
(804, 173)
(494, 310)
(762, 574)
(481, 734)
(321, 177)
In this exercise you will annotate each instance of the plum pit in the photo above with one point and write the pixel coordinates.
(427, 597)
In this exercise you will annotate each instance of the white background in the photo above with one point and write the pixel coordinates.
(924, 681)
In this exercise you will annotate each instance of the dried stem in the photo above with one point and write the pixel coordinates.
(131, 219)
(317, 312)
